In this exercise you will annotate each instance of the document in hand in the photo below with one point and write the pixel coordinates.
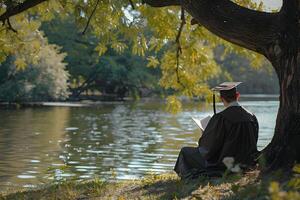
(202, 123)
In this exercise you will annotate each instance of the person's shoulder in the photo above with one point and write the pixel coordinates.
(236, 109)
(237, 114)
(216, 118)
(247, 111)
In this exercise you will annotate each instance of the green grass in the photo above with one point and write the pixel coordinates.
(169, 186)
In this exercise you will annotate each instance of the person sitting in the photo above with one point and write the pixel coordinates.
(232, 133)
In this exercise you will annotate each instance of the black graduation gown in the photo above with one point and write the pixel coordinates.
(230, 133)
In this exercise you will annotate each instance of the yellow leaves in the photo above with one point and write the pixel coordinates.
(249, 4)
(274, 190)
(194, 56)
(196, 66)
(256, 60)
(25, 44)
(202, 90)
(296, 168)
(152, 62)
(278, 194)
(140, 46)
(137, 50)
(173, 104)
(163, 22)
(118, 47)
(143, 42)
(101, 48)
(20, 64)
(294, 183)
(2, 57)
(36, 45)
(155, 44)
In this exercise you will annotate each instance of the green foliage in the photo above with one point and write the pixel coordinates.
(44, 80)
(113, 73)
(125, 74)
(173, 104)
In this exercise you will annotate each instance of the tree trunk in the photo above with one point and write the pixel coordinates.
(284, 54)
(284, 149)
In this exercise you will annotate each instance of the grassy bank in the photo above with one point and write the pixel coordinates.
(251, 185)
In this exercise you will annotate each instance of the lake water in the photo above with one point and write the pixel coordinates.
(110, 140)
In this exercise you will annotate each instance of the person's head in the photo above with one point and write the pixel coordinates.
(228, 96)
(228, 93)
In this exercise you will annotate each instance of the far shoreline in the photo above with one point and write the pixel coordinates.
(92, 103)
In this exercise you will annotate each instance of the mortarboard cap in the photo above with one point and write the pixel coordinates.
(225, 86)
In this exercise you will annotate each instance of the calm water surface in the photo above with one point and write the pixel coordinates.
(109, 141)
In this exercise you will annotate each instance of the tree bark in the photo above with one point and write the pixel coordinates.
(11, 11)
(284, 149)
(284, 54)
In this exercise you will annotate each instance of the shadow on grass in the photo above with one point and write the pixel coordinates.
(171, 188)
(257, 191)
(202, 188)
(261, 188)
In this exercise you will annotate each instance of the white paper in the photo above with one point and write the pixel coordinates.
(202, 123)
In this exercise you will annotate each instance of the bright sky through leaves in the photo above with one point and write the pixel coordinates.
(271, 4)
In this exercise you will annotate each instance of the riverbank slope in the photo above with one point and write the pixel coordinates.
(247, 186)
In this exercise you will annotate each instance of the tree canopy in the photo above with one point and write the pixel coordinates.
(187, 62)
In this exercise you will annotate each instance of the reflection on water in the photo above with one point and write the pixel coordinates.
(120, 140)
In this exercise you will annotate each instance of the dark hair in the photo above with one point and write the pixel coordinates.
(229, 95)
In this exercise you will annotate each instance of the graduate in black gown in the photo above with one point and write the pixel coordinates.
(232, 133)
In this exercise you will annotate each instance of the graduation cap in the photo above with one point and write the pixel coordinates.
(226, 88)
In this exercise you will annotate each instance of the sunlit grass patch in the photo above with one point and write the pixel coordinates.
(250, 185)
(64, 190)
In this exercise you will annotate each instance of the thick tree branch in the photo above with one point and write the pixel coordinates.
(179, 49)
(248, 28)
(162, 3)
(290, 4)
(20, 8)
(89, 20)
(251, 29)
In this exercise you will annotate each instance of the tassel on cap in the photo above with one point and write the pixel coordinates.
(214, 102)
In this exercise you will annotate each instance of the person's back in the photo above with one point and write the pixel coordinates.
(231, 133)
